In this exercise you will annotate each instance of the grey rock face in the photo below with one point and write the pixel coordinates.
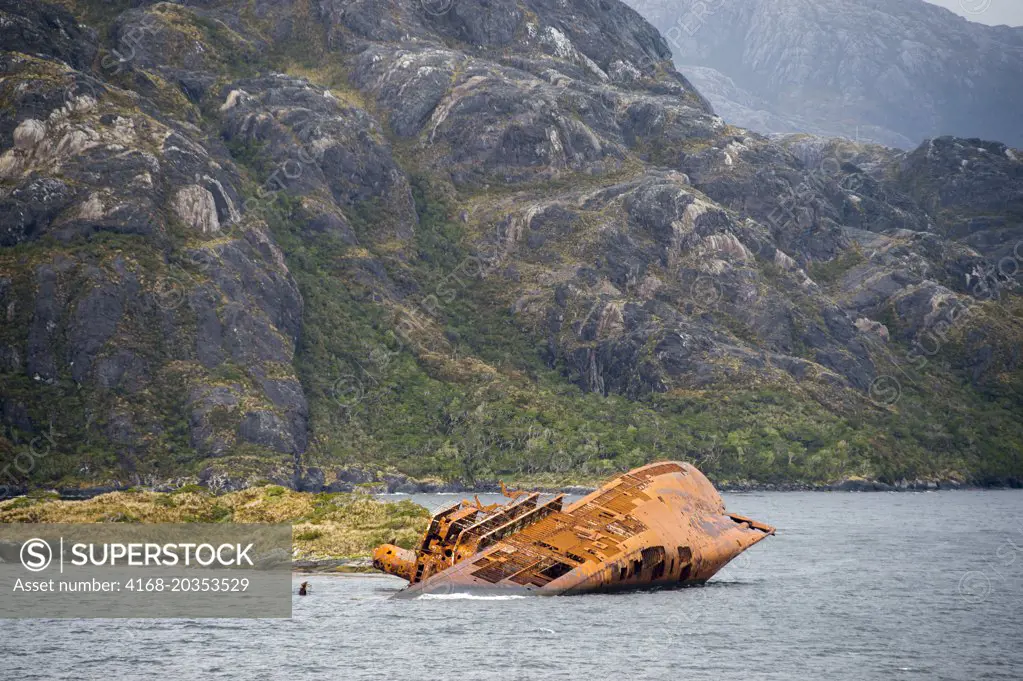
(165, 311)
(320, 148)
(494, 109)
(669, 268)
(973, 188)
(269, 430)
(39, 28)
(31, 207)
(42, 339)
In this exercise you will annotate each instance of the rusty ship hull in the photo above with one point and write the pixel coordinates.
(661, 525)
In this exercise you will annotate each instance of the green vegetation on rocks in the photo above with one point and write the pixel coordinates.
(289, 244)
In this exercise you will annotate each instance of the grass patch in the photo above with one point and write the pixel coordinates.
(325, 525)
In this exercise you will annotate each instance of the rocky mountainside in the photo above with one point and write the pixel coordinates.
(306, 242)
(888, 71)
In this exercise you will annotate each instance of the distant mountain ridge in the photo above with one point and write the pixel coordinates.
(889, 71)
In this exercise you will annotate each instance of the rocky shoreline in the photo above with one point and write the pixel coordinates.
(396, 483)
(334, 565)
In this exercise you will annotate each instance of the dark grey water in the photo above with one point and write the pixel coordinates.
(855, 586)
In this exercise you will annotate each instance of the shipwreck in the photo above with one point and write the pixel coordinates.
(660, 525)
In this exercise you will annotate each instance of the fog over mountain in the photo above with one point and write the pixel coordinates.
(889, 71)
(990, 12)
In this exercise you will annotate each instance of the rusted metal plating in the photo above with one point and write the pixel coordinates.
(659, 525)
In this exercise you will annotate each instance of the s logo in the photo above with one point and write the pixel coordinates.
(36, 555)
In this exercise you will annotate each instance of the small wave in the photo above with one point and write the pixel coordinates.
(206, 626)
(467, 597)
